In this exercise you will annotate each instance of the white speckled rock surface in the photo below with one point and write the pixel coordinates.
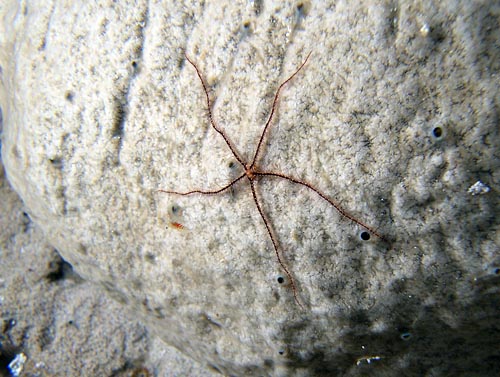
(395, 116)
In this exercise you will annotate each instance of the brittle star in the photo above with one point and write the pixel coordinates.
(252, 173)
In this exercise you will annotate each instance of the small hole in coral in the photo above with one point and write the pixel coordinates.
(281, 352)
(437, 132)
(365, 236)
(280, 279)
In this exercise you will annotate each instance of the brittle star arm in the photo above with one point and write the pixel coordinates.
(336, 205)
(273, 109)
(275, 245)
(210, 115)
(205, 192)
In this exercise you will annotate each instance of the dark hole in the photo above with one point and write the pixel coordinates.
(8, 325)
(365, 236)
(405, 336)
(26, 218)
(231, 165)
(56, 162)
(281, 280)
(69, 96)
(437, 132)
(246, 25)
(60, 270)
(303, 9)
(496, 271)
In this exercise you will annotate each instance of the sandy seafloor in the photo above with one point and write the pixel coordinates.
(64, 326)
